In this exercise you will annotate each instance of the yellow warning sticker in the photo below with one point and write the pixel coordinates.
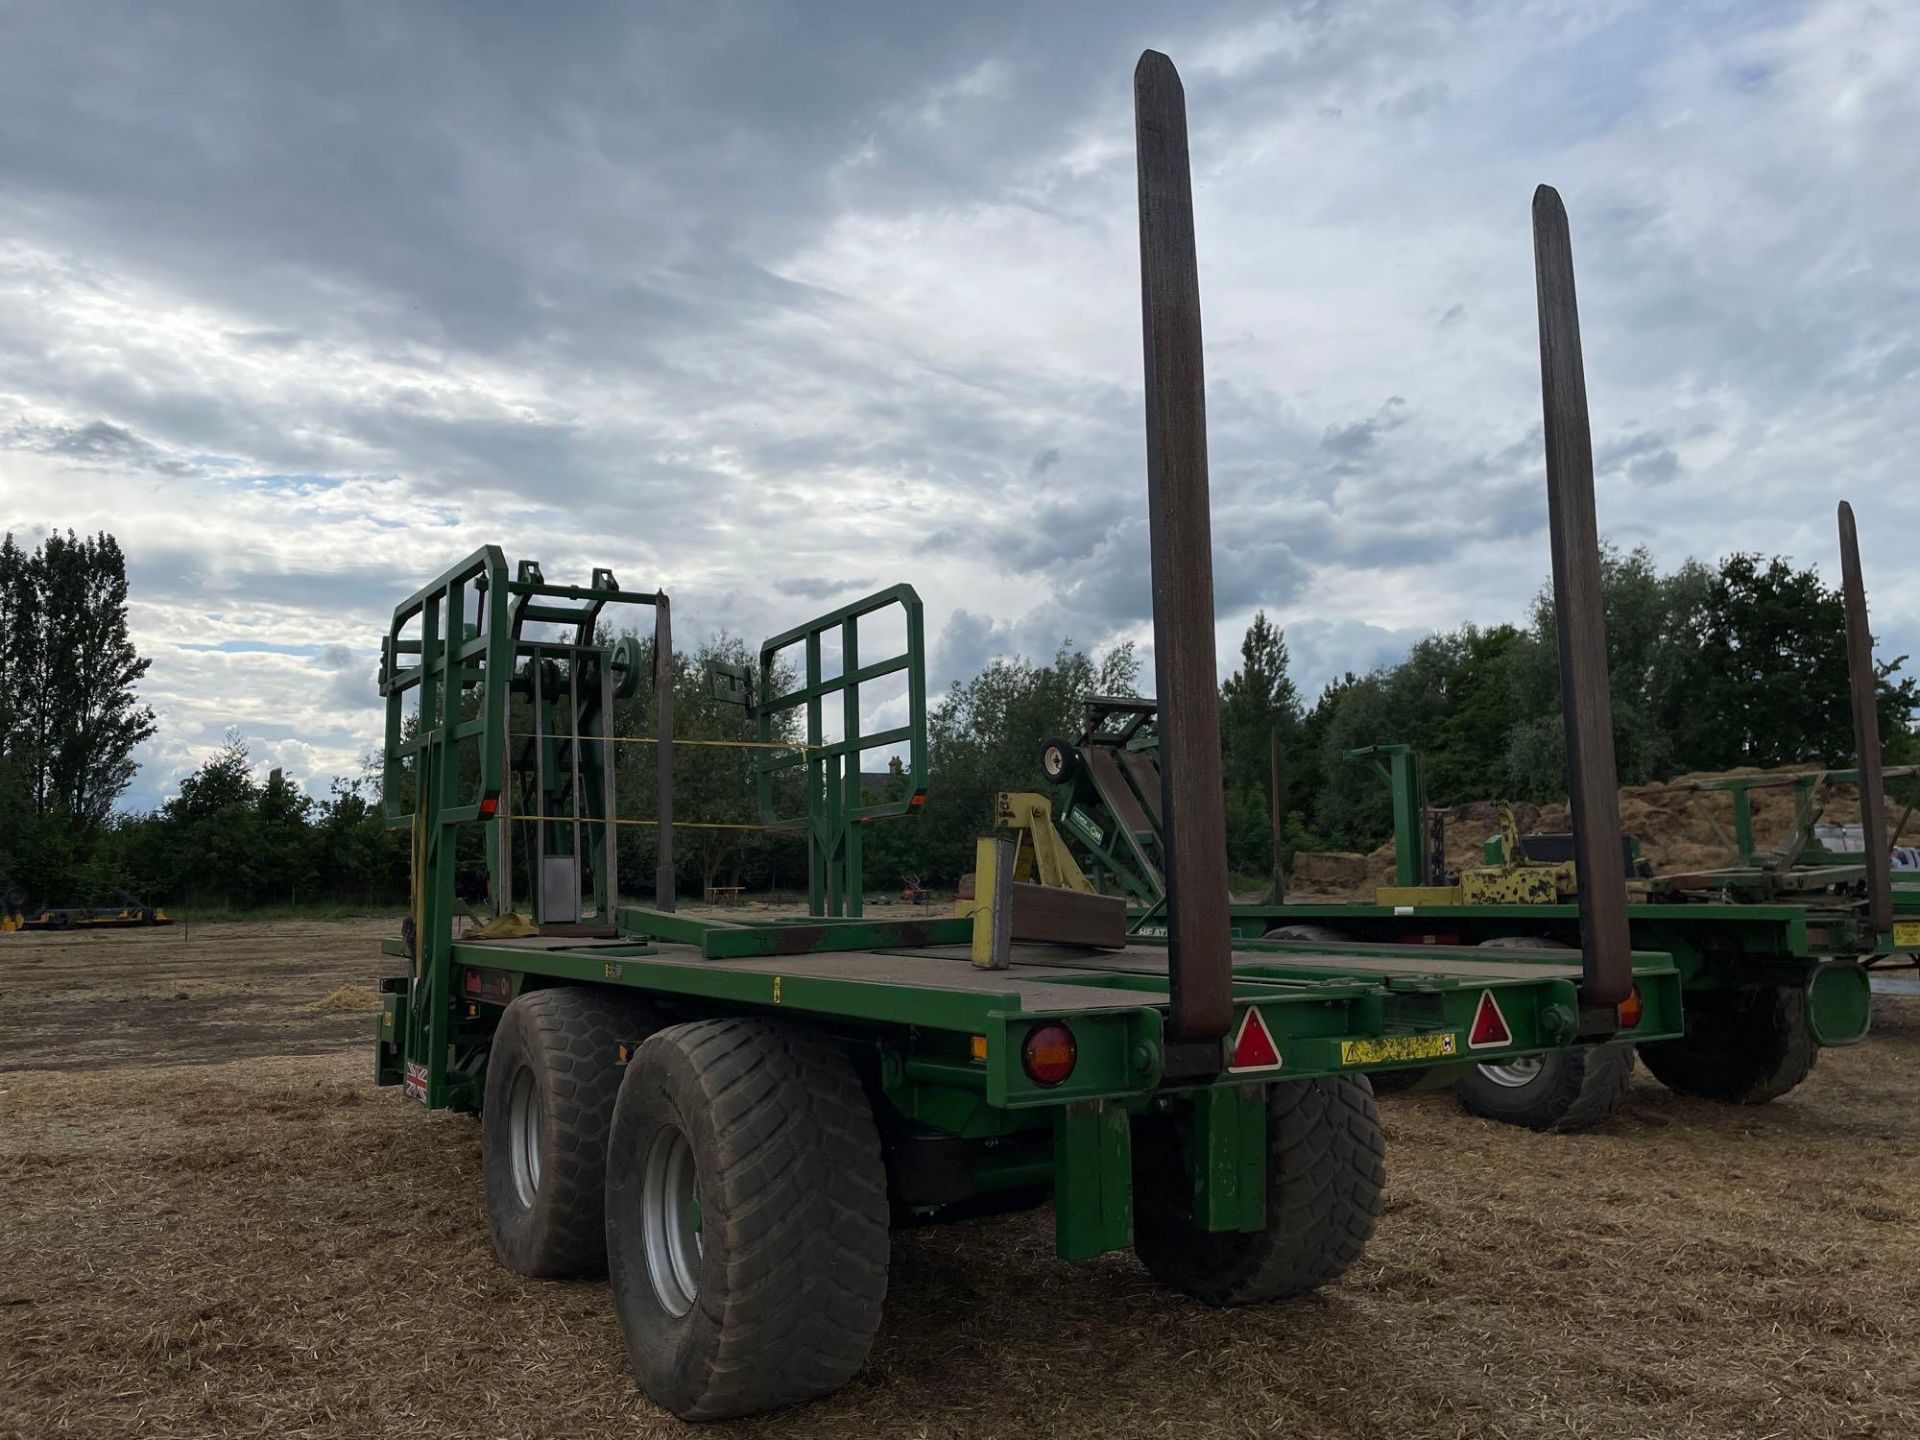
(1398, 1047)
(1906, 932)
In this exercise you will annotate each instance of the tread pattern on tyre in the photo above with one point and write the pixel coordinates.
(570, 1036)
(791, 1176)
(1574, 1090)
(1326, 1188)
(1742, 1047)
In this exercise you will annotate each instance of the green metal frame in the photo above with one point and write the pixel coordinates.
(1401, 771)
(916, 1035)
(459, 679)
(1116, 858)
(1156, 1032)
(1807, 787)
(455, 744)
(942, 1047)
(837, 805)
(1718, 943)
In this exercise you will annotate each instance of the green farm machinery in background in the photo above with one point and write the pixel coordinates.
(1775, 948)
(729, 1115)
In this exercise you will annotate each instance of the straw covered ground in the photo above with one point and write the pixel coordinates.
(214, 1225)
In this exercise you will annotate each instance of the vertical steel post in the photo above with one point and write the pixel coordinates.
(821, 781)
(663, 670)
(852, 859)
(537, 876)
(1864, 691)
(1192, 800)
(503, 821)
(1606, 957)
(575, 798)
(609, 835)
(1276, 814)
(1409, 799)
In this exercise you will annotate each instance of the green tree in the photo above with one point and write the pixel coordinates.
(80, 697)
(217, 845)
(985, 737)
(1257, 702)
(1767, 683)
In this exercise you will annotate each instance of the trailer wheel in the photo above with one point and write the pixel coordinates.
(746, 1218)
(1743, 1047)
(552, 1076)
(1309, 933)
(1326, 1178)
(1058, 760)
(1565, 1091)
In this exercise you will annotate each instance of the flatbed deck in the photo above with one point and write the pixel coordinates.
(1329, 1008)
(1042, 976)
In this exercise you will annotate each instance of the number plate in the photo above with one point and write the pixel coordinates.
(1906, 932)
(1399, 1047)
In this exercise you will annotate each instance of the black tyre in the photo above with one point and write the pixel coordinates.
(1326, 1178)
(1309, 933)
(1565, 1091)
(746, 1218)
(1742, 1047)
(1059, 761)
(552, 1076)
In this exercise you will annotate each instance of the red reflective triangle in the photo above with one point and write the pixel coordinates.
(1253, 1047)
(1489, 1025)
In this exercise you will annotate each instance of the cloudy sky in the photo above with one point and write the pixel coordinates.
(771, 304)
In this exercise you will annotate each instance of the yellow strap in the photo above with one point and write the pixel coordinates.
(655, 740)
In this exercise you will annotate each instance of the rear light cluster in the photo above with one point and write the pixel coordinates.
(1048, 1053)
(1630, 1009)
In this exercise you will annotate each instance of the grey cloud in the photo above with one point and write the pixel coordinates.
(967, 642)
(552, 276)
(819, 589)
(97, 443)
(1645, 457)
(1350, 442)
(266, 339)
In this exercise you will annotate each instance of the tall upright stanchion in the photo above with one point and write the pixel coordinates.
(1193, 807)
(1606, 953)
(1864, 692)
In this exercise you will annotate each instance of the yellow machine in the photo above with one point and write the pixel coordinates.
(1511, 877)
(1027, 886)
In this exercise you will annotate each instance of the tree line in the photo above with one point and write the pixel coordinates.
(1741, 663)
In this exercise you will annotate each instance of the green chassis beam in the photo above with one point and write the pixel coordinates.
(1323, 1023)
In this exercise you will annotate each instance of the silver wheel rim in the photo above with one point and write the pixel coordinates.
(1515, 1074)
(1054, 763)
(523, 1128)
(670, 1216)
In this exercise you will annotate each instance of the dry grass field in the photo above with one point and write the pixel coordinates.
(212, 1224)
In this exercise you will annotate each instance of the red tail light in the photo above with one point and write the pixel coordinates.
(1048, 1054)
(1630, 1010)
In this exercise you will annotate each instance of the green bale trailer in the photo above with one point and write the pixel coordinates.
(1778, 950)
(728, 1116)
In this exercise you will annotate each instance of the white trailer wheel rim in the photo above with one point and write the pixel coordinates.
(523, 1128)
(670, 1218)
(1515, 1074)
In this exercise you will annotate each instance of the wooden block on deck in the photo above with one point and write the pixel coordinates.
(1068, 917)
